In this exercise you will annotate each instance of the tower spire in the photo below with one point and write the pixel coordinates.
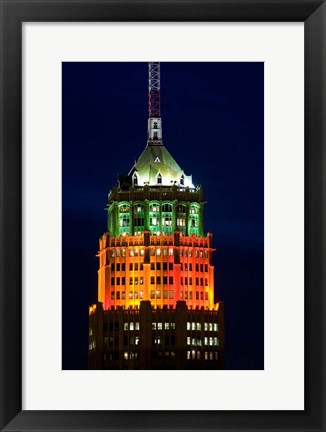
(154, 106)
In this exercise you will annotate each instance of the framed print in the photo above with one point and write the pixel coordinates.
(245, 81)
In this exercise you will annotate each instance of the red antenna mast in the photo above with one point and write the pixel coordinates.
(154, 87)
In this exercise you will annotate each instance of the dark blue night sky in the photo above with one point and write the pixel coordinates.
(213, 125)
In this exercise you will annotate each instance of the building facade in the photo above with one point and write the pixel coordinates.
(155, 306)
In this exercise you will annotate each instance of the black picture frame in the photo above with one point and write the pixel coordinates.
(13, 14)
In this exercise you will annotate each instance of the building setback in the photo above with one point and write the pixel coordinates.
(155, 306)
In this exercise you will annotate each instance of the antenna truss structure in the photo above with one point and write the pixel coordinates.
(154, 86)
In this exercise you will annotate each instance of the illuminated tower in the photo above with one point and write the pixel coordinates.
(156, 305)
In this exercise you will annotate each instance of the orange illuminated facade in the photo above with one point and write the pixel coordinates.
(156, 261)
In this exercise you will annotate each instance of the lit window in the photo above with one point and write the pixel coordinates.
(154, 326)
(193, 326)
(158, 294)
(136, 251)
(188, 325)
(188, 355)
(198, 326)
(216, 341)
(134, 179)
(123, 294)
(137, 325)
(130, 294)
(211, 356)
(206, 355)
(131, 252)
(141, 294)
(125, 355)
(165, 293)
(136, 294)
(171, 294)
(125, 326)
(193, 354)
(158, 251)
(170, 251)
(210, 326)
(188, 340)
(166, 326)
(141, 252)
(159, 326)
(215, 327)
(211, 341)
(137, 340)
(152, 294)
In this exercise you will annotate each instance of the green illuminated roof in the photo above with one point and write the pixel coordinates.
(156, 161)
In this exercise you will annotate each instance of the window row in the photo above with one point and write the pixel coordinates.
(122, 267)
(140, 266)
(131, 252)
(159, 266)
(156, 207)
(160, 251)
(159, 280)
(131, 325)
(117, 295)
(197, 253)
(166, 294)
(184, 295)
(196, 355)
(198, 267)
(198, 281)
(197, 326)
(160, 326)
(132, 281)
(140, 252)
(207, 341)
